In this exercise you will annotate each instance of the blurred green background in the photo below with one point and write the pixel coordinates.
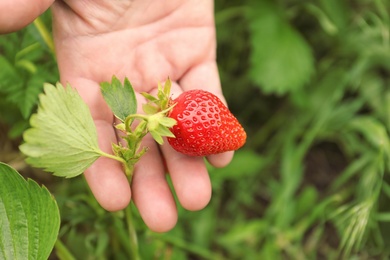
(309, 80)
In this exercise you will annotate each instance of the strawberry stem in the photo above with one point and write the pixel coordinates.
(155, 120)
(132, 233)
(114, 157)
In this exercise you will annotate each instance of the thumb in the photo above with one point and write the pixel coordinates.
(16, 14)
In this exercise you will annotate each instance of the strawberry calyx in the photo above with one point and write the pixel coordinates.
(159, 103)
(134, 127)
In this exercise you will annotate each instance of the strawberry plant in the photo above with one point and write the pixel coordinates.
(309, 82)
(63, 139)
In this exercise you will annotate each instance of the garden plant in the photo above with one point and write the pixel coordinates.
(309, 83)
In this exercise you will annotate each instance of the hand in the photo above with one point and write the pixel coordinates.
(146, 41)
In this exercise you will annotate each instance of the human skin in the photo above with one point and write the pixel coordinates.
(146, 41)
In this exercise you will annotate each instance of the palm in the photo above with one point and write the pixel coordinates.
(167, 42)
(98, 39)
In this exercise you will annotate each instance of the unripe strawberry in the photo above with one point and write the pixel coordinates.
(204, 126)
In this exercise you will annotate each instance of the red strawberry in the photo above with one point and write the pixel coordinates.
(204, 126)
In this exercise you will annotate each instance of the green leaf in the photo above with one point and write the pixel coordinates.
(282, 60)
(164, 131)
(62, 138)
(120, 98)
(158, 126)
(29, 217)
(245, 164)
(160, 131)
(167, 87)
(326, 23)
(244, 231)
(373, 130)
(352, 220)
(167, 121)
(149, 109)
(149, 97)
(337, 11)
(157, 137)
(21, 92)
(159, 103)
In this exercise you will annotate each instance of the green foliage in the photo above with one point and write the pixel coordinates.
(120, 98)
(26, 62)
(281, 59)
(326, 137)
(29, 217)
(62, 138)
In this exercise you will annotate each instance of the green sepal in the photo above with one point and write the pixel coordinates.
(159, 131)
(157, 137)
(163, 94)
(154, 121)
(149, 97)
(121, 127)
(167, 121)
(149, 109)
(164, 131)
(159, 103)
(167, 87)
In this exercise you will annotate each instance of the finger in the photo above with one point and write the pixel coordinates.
(151, 192)
(105, 177)
(16, 14)
(220, 160)
(189, 175)
(190, 178)
(205, 76)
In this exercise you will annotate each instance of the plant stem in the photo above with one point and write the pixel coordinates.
(132, 234)
(27, 50)
(191, 248)
(138, 116)
(114, 157)
(62, 252)
(45, 34)
(229, 13)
